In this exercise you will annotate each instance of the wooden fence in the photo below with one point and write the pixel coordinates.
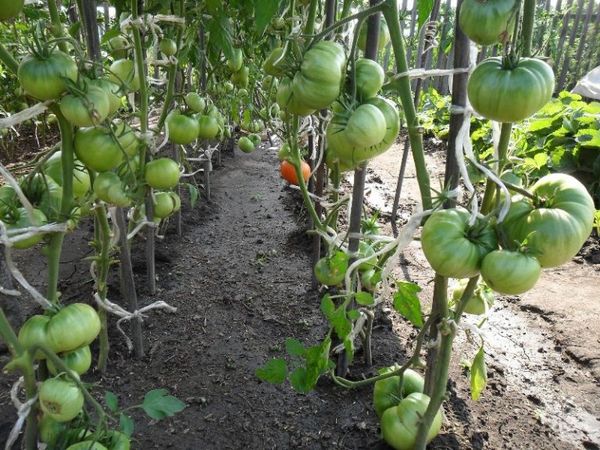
(567, 34)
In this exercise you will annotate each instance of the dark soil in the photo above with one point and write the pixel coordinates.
(241, 280)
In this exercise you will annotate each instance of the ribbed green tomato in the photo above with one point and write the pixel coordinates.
(289, 102)
(240, 78)
(389, 392)
(509, 272)
(124, 72)
(350, 134)
(182, 129)
(162, 173)
(60, 400)
(86, 110)
(237, 59)
(33, 332)
(504, 94)
(556, 224)
(168, 47)
(274, 64)
(97, 148)
(117, 46)
(487, 22)
(208, 127)
(81, 177)
(10, 8)
(453, 247)
(109, 188)
(318, 81)
(112, 92)
(399, 424)
(79, 360)
(72, 327)
(21, 220)
(195, 102)
(369, 78)
(126, 137)
(43, 77)
(246, 145)
(50, 431)
(255, 138)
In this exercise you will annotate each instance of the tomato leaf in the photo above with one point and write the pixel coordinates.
(424, 8)
(294, 347)
(407, 303)
(194, 194)
(158, 404)
(264, 10)
(220, 34)
(364, 298)
(298, 380)
(126, 424)
(111, 400)
(327, 306)
(353, 314)
(588, 137)
(478, 374)
(274, 371)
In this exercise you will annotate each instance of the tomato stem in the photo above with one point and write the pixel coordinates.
(8, 59)
(103, 265)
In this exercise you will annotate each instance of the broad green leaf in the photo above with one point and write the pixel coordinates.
(407, 303)
(114, 32)
(298, 380)
(158, 404)
(327, 306)
(126, 424)
(588, 137)
(294, 347)
(111, 400)
(364, 298)
(353, 314)
(478, 374)
(317, 362)
(540, 160)
(424, 8)
(194, 194)
(219, 29)
(340, 323)
(542, 124)
(274, 371)
(264, 10)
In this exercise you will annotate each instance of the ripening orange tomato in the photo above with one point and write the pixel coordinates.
(288, 172)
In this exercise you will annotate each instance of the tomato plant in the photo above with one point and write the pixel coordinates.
(165, 204)
(195, 102)
(81, 177)
(504, 92)
(208, 127)
(20, 219)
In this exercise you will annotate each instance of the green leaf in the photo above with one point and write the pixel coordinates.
(219, 29)
(424, 8)
(327, 306)
(158, 404)
(294, 347)
(264, 12)
(114, 32)
(478, 374)
(364, 298)
(353, 314)
(588, 137)
(274, 371)
(340, 322)
(317, 362)
(111, 400)
(349, 348)
(298, 380)
(407, 303)
(126, 424)
(194, 194)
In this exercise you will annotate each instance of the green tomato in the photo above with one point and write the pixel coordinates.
(331, 270)
(118, 441)
(182, 129)
(60, 400)
(165, 204)
(33, 333)
(255, 138)
(369, 78)
(81, 177)
(126, 137)
(162, 173)
(505, 94)
(289, 102)
(240, 78)
(242, 93)
(556, 224)
(22, 220)
(10, 8)
(246, 145)
(453, 247)
(383, 36)
(112, 92)
(72, 327)
(236, 61)
(195, 102)
(275, 63)
(399, 424)
(278, 23)
(168, 47)
(50, 431)
(208, 127)
(479, 303)
(79, 361)
(97, 149)
(88, 109)
(389, 392)
(44, 77)
(509, 272)
(124, 73)
(485, 22)
(317, 84)
(118, 46)
(369, 279)
(284, 153)
(109, 188)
